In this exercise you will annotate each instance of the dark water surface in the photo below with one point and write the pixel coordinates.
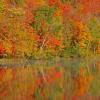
(60, 79)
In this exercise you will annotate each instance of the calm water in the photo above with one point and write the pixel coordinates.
(74, 79)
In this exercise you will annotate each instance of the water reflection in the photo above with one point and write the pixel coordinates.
(50, 80)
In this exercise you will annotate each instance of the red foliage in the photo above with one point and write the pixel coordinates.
(53, 42)
(52, 2)
(30, 4)
(36, 37)
(1, 48)
(4, 29)
(75, 17)
(90, 6)
(66, 9)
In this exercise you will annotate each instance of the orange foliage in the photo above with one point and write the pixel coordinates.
(57, 13)
(28, 17)
(36, 37)
(98, 49)
(30, 4)
(79, 24)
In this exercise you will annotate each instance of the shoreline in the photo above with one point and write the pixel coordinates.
(43, 62)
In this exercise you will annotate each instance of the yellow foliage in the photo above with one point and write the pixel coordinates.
(40, 2)
(58, 13)
(7, 47)
(80, 25)
(82, 44)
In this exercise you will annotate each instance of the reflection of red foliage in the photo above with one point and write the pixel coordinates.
(43, 93)
(3, 93)
(53, 77)
(2, 73)
(57, 74)
(38, 81)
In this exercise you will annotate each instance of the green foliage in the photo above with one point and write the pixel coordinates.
(95, 85)
(94, 26)
(67, 1)
(43, 14)
(1, 6)
(94, 46)
(56, 24)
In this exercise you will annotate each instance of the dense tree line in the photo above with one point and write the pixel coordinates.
(49, 28)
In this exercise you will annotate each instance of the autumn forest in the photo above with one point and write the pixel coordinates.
(49, 49)
(49, 28)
